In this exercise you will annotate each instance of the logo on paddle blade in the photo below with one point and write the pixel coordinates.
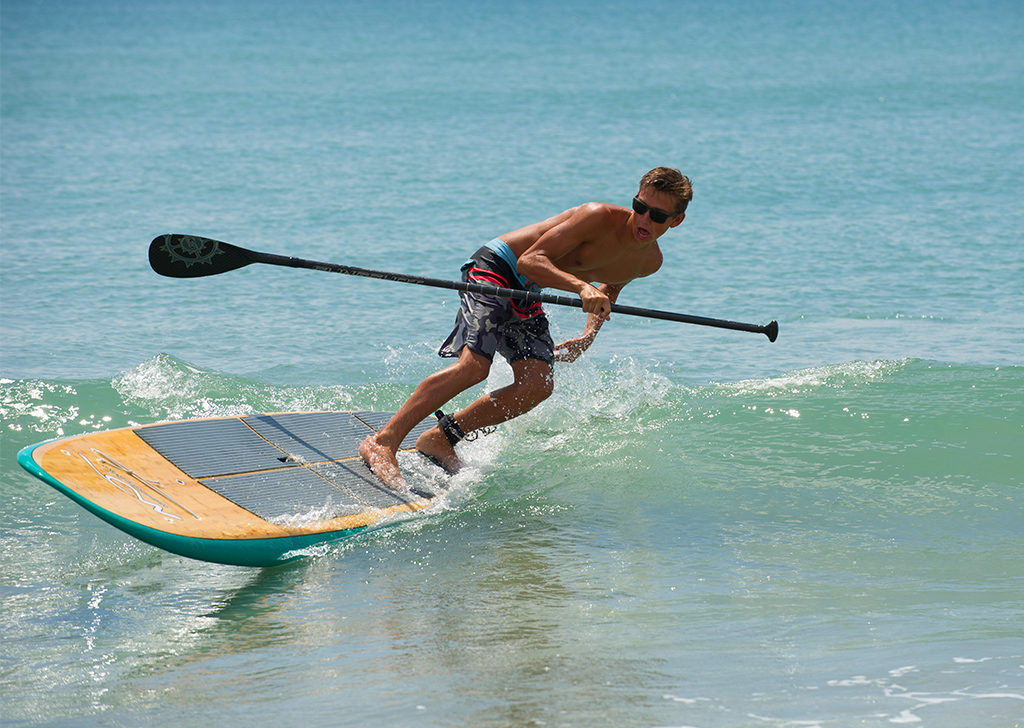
(190, 250)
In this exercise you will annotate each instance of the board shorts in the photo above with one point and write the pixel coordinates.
(487, 324)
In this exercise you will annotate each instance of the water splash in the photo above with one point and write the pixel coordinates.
(172, 389)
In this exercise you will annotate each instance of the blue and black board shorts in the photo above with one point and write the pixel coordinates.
(488, 324)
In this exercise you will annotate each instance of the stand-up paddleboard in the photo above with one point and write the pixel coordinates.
(250, 490)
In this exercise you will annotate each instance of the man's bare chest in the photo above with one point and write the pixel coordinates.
(609, 263)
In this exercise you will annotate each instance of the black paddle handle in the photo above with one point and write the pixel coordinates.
(188, 256)
(771, 330)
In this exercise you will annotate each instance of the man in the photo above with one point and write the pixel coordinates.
(595, 243)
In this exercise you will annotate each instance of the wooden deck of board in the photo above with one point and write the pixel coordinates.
(120, 473)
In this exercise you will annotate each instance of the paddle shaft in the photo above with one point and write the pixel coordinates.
(170, 261)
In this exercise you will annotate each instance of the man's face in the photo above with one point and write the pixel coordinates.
(654, 203)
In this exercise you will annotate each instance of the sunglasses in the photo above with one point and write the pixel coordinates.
(658, 217)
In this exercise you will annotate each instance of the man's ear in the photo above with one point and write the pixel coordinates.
(680, 217)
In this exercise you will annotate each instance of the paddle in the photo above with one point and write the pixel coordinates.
(189, 256)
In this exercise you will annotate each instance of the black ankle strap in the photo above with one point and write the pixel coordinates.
(450, 428)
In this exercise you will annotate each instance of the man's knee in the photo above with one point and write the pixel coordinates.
(543, 387)
(535, 381)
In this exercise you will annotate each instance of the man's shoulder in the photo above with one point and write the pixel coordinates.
(601, 208)
(653, 262)
(596, 216)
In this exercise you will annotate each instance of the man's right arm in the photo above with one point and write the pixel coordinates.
(540, 262)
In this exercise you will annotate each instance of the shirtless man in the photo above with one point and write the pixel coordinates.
(593, 250)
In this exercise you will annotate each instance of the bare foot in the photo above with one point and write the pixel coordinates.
(383, 462)
(434, 444)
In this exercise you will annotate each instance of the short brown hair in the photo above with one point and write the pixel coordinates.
(672, 182)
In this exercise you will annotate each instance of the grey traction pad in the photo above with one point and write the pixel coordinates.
(283, 464)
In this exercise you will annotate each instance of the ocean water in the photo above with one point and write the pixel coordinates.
(700, 528)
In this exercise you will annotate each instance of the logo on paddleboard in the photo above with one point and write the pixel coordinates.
(190, 250)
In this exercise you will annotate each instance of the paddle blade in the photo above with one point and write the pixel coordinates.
(189, 256)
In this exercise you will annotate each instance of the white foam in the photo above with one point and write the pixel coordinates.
(905, 717)
(817, 377)
(315, 515)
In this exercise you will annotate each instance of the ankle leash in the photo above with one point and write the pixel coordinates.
(454, 433)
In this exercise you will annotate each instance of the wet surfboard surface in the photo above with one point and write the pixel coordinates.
(252, 490)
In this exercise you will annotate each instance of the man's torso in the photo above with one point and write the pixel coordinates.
(608, 254)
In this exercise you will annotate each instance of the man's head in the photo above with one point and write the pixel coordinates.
(670, 182)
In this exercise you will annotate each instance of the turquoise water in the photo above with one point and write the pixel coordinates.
(700, 528)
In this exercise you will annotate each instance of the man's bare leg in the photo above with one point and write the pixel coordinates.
(532, 385)
(380, 451)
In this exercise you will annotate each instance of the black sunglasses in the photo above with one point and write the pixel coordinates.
(657, 216)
